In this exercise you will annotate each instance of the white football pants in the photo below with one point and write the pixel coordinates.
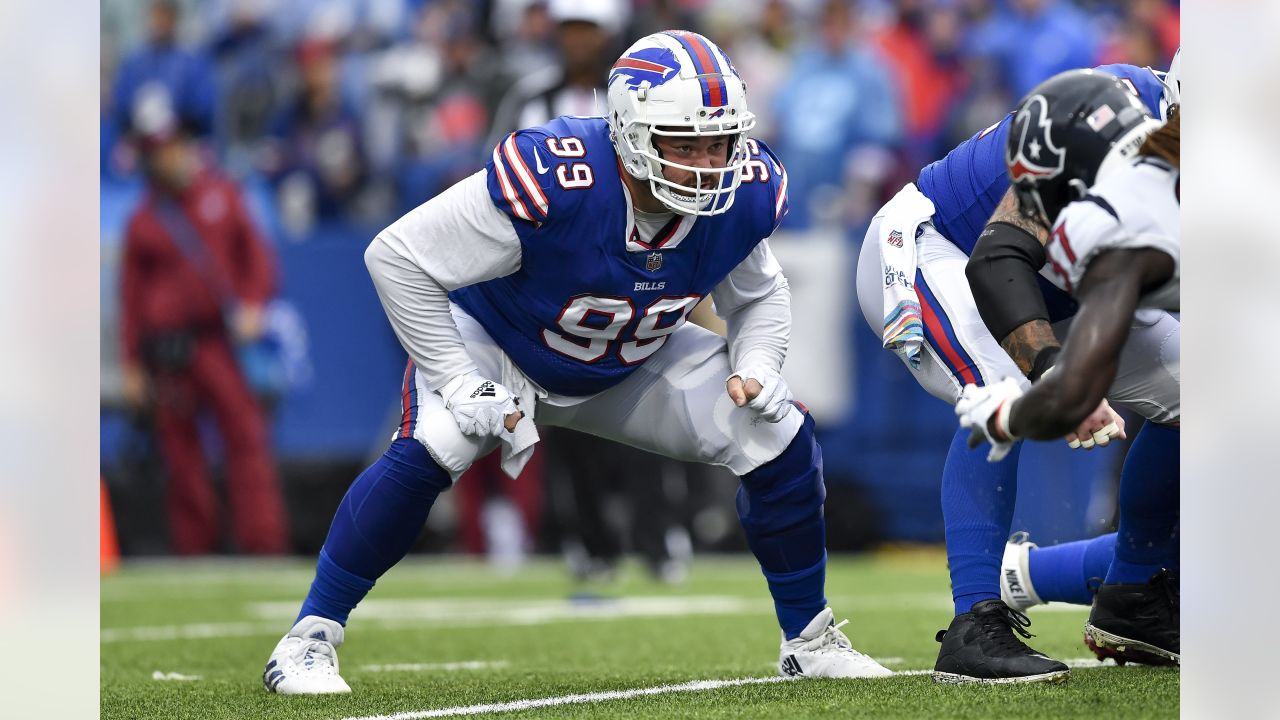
(674, 405)
(1148, 380)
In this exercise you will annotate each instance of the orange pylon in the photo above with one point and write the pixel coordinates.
(108, 548)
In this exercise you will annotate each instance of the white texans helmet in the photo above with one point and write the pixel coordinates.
(679, 84)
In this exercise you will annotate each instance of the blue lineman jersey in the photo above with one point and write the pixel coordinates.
(967, 184)
(593, 299)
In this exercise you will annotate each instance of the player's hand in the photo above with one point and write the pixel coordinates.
(762, 389)
(984, 411)
(480, 407)
(1099, 429)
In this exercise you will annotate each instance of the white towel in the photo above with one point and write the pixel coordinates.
(903, 330)
(517, 446)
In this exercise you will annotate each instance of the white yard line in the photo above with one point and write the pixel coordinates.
(695, 686)
(273, 618)
(428, 667)
(454, 613)
(190, 632)
(157, 675)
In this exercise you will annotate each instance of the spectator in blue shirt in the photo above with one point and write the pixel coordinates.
(162, 66)
(837, 116)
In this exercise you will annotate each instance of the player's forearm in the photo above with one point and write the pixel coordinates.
(1059, 402)
(418, 308)
(760, 331)
(1055, 406)
(1027, 342)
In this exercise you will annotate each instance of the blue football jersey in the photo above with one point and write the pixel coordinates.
(967, 184)
(593, 298)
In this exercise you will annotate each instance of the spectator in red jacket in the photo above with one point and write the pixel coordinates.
(195, 278)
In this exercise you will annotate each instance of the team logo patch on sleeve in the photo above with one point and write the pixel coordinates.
(650, 65)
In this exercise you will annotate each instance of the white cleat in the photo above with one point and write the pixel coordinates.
(822, 651)
(1015, 573)
(305, 662)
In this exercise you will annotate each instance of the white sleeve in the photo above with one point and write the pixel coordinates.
(457, 238)
(755, 302)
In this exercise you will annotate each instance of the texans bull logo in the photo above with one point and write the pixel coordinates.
(1037, 158)
(652, 65)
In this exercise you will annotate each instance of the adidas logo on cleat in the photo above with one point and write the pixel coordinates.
(271, 677)
(791, 666)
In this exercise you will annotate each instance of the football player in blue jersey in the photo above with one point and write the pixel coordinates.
(914, 292)
(553, 286)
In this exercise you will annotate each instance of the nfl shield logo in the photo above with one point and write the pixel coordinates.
(653, 262)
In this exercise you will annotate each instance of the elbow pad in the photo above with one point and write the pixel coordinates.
(1003, 272)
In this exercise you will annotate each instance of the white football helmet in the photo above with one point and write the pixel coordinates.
(679, 84)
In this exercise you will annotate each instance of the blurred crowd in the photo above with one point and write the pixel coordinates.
(362, 109)
(348, 113)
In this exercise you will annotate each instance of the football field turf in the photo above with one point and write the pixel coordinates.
(189, 640)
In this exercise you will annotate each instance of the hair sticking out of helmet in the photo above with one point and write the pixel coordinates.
(673, 85)
(1165, 142)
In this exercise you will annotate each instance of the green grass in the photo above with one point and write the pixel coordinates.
(228, 615)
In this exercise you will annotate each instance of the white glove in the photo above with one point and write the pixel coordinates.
(479, 406)
(976, 407)
(773, 402)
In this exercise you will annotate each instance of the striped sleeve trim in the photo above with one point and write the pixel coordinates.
(508, 189)
(780, 207)
(519, 171)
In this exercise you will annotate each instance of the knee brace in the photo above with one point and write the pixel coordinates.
(780, 506)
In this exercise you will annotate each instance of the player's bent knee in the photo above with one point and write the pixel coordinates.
(452, 450)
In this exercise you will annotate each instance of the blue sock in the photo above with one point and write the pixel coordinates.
(977, 509)
(1148, 506)
(1062, 573)
(780, 506)
(379, 519)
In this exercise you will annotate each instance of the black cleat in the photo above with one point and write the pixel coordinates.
(1137, 623)
(980, 647)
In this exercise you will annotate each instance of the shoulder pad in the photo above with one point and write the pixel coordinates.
(518, 181)
(1141, 81)
(766, 169)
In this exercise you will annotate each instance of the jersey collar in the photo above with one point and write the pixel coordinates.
(668, 238)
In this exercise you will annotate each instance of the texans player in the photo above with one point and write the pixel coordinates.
(1115, 247)
(553, 286)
